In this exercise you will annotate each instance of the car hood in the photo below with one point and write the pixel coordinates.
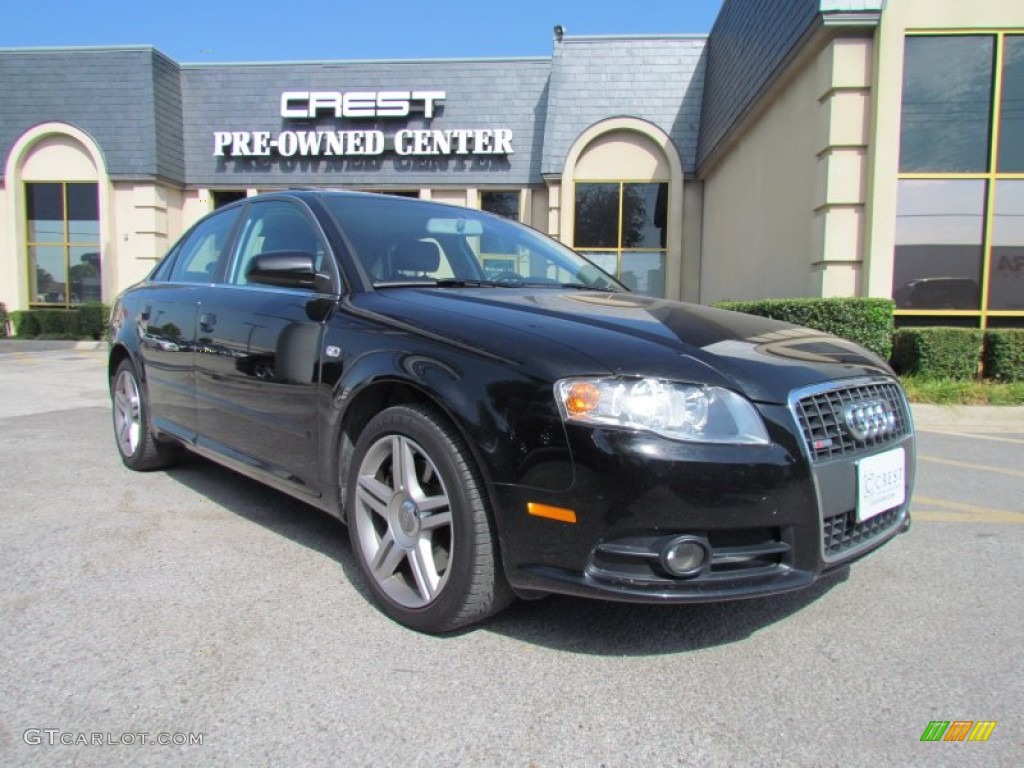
(563, 333)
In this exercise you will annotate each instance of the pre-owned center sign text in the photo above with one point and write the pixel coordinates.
(314, 142)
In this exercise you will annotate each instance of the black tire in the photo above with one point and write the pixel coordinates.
(425, 541)
(133, 435)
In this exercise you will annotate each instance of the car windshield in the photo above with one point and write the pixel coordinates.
(399, 243)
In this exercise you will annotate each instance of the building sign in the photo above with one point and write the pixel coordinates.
(306, 105)
(359, 103)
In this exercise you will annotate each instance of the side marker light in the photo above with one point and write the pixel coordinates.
(553, 513)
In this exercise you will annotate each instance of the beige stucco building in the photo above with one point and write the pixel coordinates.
(802, 148)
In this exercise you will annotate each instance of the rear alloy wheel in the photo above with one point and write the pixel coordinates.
(138, 447)
(419, 523)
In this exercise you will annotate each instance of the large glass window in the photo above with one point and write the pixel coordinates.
(501, 202)
(960, 216)
(63, 243)
(222, 197)
(939, 228)
(947, 104)
(1011, 112)
(621, 226)
(1006, 265)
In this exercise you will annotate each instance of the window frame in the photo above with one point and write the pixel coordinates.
(215, 274)
(228, 272)
(619, 249)
(991, 178)
(520, 207)
(66, 244)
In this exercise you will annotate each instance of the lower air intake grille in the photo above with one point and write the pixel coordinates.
(842, 533)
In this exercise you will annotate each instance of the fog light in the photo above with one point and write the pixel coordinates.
(685, 555)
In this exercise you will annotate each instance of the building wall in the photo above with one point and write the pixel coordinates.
(778, 137)
(759, 201)
(148, 124)
(750, 43)
(147, 219)
(784, 209)
(845, 70)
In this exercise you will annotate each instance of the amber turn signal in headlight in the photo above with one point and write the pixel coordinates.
(581, 397)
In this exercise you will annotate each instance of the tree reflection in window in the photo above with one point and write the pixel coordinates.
(621, 226)
(63, 243)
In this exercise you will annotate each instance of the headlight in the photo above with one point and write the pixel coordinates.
(667, 408)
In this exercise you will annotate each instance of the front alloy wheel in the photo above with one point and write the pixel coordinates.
(419, 524)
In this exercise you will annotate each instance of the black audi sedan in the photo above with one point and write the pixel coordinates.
(493, 415)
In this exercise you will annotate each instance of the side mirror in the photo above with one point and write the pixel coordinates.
(286, 269)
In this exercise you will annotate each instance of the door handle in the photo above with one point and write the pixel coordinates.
(207, 321)
(146, 312)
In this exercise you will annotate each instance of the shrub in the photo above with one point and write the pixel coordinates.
(937, 353)
(26, 324)
(92, 320)
(4, 321)
(868, 322)
(88, 321)
(58, 322)
(1003, 356)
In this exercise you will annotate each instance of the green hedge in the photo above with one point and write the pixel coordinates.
(1003, 357)
(88, 321)
(58, 322)
(937, 353)
(868, 322)
(26, 323)
(4, 321)
(92, 320)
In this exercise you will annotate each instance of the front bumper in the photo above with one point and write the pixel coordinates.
(775, 517)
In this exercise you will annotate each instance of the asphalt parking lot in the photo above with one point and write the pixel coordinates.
(199, 606)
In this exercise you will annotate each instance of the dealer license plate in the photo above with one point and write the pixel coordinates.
(881, 483)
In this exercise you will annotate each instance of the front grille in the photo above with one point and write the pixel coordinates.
(825, 430)
(842, 532)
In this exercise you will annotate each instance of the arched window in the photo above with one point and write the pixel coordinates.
(59, 190)
(623, 204)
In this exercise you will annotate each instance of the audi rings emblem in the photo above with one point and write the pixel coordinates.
(870, 419)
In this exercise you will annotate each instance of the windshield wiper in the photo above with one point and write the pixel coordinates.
(458, 282)
(554, 284)
(582, 287)
(461, 282)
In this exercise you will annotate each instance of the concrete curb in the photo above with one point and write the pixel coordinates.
(44, 345)
(990, 418)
